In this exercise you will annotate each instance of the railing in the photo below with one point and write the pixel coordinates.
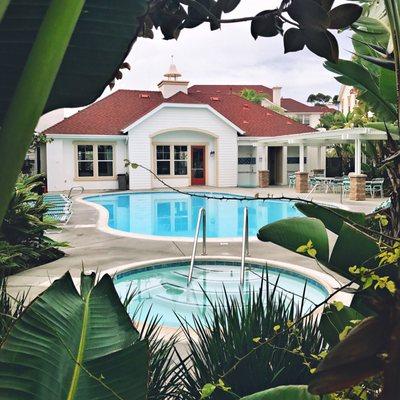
(201, 217)
(81, 188)
(245, 243)
(313, 189)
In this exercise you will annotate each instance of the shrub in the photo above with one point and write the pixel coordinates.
(237, 326)
(23, 243)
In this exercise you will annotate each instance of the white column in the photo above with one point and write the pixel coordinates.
(357, 156)
(266, 157)
(301, 157)
(284, 165)
(260, 158)
(319, 161)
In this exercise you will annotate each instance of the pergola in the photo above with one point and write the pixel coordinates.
(321, 139)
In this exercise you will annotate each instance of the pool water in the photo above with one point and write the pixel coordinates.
(175, 214)
(163, 290)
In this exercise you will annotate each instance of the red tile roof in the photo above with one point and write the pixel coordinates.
(114, 113)
(288, 104)
(292, 105)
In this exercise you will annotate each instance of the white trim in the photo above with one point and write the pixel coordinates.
(183, 105)
(86, 136)
(322, 138)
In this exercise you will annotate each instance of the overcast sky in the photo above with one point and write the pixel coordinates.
(232, 56)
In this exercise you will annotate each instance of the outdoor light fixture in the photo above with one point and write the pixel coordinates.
(212, 153)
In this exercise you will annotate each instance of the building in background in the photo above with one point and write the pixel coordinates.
(188, 135)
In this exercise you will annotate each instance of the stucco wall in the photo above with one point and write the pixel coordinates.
(61, 165)
(184, 126)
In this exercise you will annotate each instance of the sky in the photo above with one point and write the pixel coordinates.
(232, 56)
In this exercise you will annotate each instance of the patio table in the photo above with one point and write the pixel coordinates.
(328, 182)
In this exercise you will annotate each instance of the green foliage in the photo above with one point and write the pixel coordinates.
(319, 98)
(51, 65)
(334, 321)
(10, 309)
(163, 371)
(292, 233)
(23, 242)
(290, 392)
(331, 217)
(352, 247)
(86, 339)
(253, 96)
(236, 327)
(352, 74)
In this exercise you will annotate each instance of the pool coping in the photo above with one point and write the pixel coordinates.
(325, 280)
(102, 221)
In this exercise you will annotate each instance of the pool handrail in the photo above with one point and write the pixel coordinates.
(201, 217)
(245, 243)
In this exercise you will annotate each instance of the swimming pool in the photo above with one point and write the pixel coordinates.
(173, 214)
(162, 289)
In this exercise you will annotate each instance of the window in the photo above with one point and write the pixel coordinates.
(105, 160)
(172, 160)
(306, 119)
(180, 160)
(95, 160)
(163, 160)
(85, 160)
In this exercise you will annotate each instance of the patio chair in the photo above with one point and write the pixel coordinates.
(292, 181)
(346, 186)
(375, 185)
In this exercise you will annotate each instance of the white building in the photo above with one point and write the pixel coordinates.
(198, 135)
(347, 99)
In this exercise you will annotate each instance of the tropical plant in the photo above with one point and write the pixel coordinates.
(85, 339)
(253, 96)
(365, 336)
(375, 72)
(164, 379)
(23, 243)
(233, 329)
(10, 308)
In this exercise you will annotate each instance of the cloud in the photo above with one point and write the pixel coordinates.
(231, 55)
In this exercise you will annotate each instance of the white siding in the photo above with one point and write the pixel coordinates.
(61, 165)
(185, 126)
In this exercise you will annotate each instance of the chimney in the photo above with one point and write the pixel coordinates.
(172, 85)
(276, 95)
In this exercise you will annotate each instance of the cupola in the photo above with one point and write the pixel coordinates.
(172, 84)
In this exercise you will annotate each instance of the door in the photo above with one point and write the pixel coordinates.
(198, 165)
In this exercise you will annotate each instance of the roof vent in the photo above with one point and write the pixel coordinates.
(245, 122)
(214, 98)
(144, 96)
(289, 122)
(246, 107)
(198, 91)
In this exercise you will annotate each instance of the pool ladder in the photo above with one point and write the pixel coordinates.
(245, 242)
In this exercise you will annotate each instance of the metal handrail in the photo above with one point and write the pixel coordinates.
(75, 187)
(201, 217)
(245, 243)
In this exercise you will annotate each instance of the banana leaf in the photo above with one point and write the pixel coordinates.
(70, 345)
(291, 233)
(352, 246)
(101, 41)
(290, 392)
(330, 216)
(351, 73)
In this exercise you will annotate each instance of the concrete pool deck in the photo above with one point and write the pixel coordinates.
(96, 250)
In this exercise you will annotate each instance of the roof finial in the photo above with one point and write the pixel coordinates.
(173, 72)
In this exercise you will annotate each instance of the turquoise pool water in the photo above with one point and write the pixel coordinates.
(163, 289)
(174, 214)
